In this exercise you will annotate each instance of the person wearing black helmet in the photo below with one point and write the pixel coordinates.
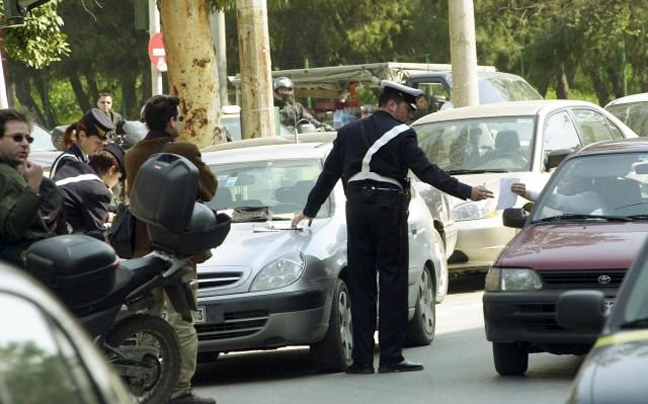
(372, 156)
(291, 112)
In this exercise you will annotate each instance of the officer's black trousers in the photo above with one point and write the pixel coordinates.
(377, 245)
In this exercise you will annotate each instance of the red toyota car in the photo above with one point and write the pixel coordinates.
(584, 231)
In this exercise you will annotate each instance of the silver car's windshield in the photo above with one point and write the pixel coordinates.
(497, 144)
(282, 186)
(635, 115)
(612, 186)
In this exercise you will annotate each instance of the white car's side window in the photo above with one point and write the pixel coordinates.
(594, 126)
(560, 133)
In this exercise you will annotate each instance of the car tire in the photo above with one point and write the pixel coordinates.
(511, 358)
(422, 327)
(333, 352)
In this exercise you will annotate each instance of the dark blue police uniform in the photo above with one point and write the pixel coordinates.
(374, 174)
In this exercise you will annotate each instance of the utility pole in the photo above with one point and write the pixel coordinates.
(463, 53)
(257, 107)
(217, 26)
(154, 27)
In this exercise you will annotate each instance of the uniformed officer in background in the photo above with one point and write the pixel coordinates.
(372, 156)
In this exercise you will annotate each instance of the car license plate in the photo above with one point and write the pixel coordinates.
(200, 316)
(209, 314)
(608, 306)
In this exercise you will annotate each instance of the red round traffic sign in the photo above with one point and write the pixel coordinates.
(156, 52)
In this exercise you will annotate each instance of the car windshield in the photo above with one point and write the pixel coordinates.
(478, 145)
(635, 311)
(42, 140)
(282, 186)
(635, 115)
(501, 89)
(596, 187)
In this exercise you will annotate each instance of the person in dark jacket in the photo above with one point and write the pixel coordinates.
(163, 119)
(87, 190)
(105, 105)
(83, 139)
(21, 221)
(372, 157)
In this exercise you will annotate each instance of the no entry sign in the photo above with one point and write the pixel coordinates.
(156, 52)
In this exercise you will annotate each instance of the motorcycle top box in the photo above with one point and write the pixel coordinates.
(164, 197)
(79, 269)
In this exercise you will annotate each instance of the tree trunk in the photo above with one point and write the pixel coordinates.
(81, 96)
(600, 88)
(617, 85)
(23, 93)
(562, 86)
(192, 72)
(257, 106)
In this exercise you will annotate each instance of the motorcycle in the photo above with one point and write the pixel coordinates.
(98, 287)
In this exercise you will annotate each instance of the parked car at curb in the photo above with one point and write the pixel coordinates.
(585, 229)
(611, 372)
(47, 357)
(496, 144)
(633, 111)
(269, 286)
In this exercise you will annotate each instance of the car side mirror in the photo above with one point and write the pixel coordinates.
(514, 217)
(581, 310)
(556, 157)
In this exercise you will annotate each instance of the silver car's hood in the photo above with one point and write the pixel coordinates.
(255, 244)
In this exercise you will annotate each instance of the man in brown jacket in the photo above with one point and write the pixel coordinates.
(163, 118)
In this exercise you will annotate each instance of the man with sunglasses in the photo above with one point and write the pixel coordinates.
(163, 119)
(83, 139)
(21, 221)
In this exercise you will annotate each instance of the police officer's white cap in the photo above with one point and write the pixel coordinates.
(409, 94)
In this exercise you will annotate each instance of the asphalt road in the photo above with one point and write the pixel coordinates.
(458, 369)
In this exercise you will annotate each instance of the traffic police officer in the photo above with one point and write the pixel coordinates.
(372, 156)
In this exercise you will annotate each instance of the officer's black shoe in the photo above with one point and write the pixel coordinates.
(403, 366)
(358, 369)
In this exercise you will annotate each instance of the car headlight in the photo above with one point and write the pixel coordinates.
(512, 279)
(474, 210)
(280, 272)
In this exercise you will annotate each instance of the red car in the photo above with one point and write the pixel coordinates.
(584, 231)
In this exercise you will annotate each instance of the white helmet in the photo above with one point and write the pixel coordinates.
(283, 82)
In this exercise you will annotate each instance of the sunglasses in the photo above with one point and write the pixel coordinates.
(18, 138)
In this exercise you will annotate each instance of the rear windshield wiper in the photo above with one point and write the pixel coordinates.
(580, 216)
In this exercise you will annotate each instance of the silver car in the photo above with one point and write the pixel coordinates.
(497, 144)
(269, 286)
(46, 356)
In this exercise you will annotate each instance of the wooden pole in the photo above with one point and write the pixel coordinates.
(463, 53)
(257, 108)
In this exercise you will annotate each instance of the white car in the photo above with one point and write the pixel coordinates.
(269, 286)
(497, 144)
(633, 111)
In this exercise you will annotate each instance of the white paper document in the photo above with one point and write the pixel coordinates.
(506, 198)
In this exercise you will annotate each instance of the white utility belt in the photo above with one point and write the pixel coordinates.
(369, 175)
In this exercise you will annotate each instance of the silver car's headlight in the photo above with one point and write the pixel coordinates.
(512, 279)
(280, 272)
(474, 210)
